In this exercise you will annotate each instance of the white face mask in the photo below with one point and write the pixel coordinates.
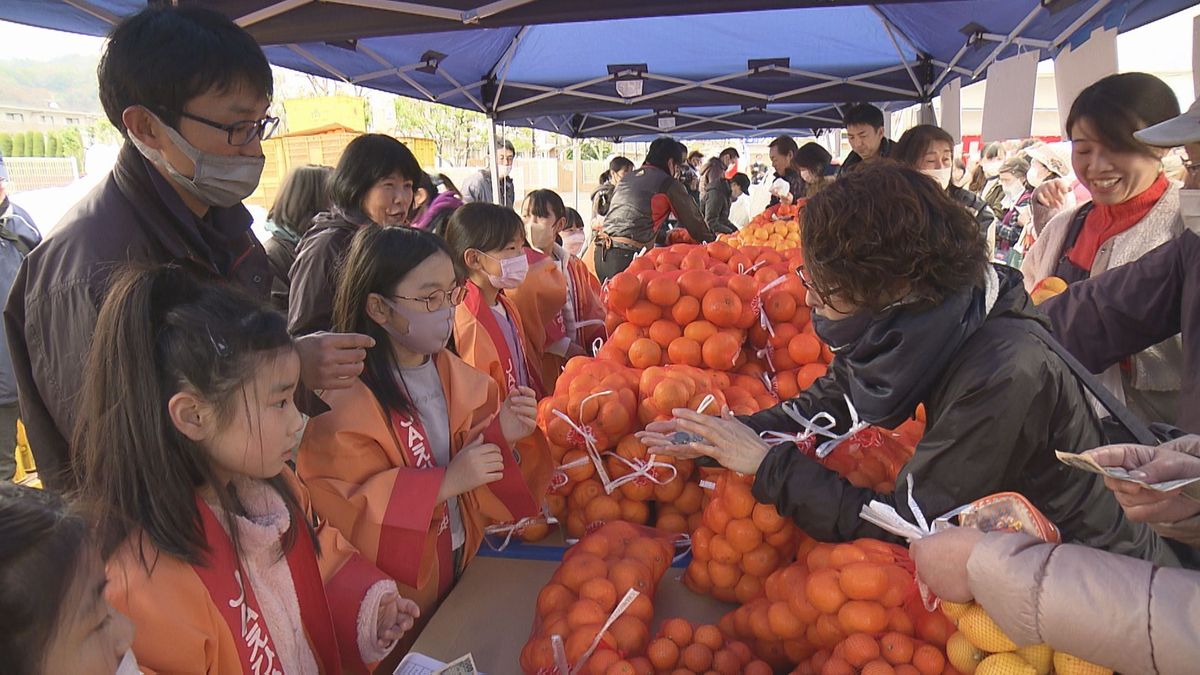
(512, 271)
(128, 665)
(941, 176)
(991, 167)
(502, 170)
(573, 241)
(218, 180)
(1013, 190)
(1037, 175)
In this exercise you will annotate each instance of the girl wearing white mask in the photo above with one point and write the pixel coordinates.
(490, 331)
(582, 314)
(930, 150)
(52, 592)
(415, 458)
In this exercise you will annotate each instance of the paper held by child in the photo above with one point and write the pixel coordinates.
(1089, 464)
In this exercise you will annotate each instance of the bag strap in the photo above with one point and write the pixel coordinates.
(1139, 429)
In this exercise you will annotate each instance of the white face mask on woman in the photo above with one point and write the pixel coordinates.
(1037, 174)
(940, 176)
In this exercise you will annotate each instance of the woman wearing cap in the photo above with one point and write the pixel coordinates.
(1050, 163)
(1134, 209)
(1014, 178)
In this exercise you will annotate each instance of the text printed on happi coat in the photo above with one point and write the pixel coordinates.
(262, 656)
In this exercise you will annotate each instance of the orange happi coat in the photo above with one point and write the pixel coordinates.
(355, 463)
(479, 343)
(539, 301)
(560, 299)
(179, 625)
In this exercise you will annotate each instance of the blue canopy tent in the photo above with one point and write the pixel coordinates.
(627, 68)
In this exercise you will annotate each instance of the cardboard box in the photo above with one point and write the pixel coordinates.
(490, 612)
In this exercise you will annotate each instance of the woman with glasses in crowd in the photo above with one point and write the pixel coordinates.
(902, 291)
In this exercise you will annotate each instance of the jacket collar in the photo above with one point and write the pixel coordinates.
(164, 217)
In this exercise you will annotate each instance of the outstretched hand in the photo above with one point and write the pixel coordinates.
(1153, 464)
(732, 444)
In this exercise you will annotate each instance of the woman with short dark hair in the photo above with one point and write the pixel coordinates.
(930, 150)
(304, 194)
(812, 161)
(903, 293)
(372, 184)
(1134, 209)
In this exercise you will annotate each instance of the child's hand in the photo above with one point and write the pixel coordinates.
(518, 414)
(472, 467)
(397, 616)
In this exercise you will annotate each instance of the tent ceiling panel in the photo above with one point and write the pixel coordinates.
(547, 63)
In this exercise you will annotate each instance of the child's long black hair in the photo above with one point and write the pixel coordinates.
(42, 547)
(162, 330)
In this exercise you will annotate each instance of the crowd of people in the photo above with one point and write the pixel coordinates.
(282, 457)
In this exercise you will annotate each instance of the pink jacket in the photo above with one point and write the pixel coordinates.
(1119, 612)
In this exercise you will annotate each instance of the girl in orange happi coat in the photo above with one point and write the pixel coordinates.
(488, 243)
(185, 426)
(582, 314)
(414, 459)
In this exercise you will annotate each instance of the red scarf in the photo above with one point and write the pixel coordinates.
(1105, 222)
(487, 319)
(405, 546)
(229, 588)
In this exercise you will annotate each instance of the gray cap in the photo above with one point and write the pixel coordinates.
(1175, 131)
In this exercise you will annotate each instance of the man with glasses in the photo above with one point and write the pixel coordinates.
(190, 92)
(478, 186)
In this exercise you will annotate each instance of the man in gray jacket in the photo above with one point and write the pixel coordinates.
(478, 186)
(18, 235)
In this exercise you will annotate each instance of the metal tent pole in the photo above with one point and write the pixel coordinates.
(578, 169)
(497, 196)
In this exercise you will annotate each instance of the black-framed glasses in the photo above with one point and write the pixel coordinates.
(810, 285)
(241, 133)
(439, 299)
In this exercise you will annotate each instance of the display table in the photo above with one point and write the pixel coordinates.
(490, 612)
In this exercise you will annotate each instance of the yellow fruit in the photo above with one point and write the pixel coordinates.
(1040, 657)
(963, 655)
(1007, 663)
(1065, 664)
(979, 628)
(954, 610)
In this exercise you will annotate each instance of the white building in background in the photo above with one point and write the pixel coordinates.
(24, 118)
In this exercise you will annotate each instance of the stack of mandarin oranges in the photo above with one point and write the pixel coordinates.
(778, 227)
(718, 308)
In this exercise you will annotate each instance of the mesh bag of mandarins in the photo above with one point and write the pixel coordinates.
(598, 606)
